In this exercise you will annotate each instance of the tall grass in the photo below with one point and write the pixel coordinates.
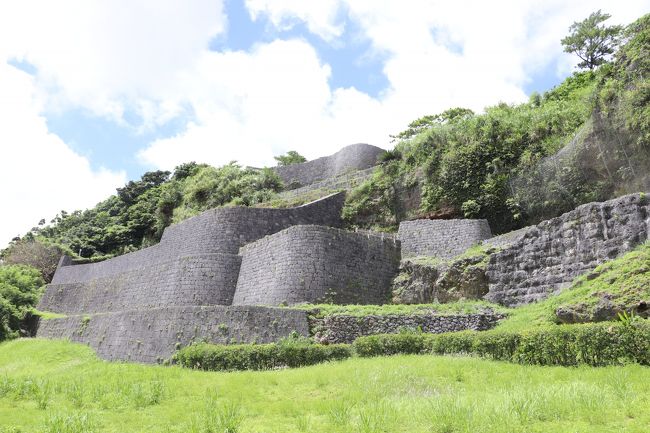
(391, 394)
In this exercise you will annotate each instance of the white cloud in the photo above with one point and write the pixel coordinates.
(322, 16)
(40, 175)
(109, 56)
(251, 105)
(106, 57)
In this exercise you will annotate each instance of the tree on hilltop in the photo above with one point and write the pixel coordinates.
(592, 42)
(292, 157)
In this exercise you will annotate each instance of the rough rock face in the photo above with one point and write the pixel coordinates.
(445, 282)
(346, 329)
(607, 307)
(550, 255)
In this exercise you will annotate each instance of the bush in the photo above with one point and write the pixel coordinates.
(393, 344)
(291, 352)
(19, 292)
(566, 345)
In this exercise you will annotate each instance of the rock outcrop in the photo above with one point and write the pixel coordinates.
(550, 255)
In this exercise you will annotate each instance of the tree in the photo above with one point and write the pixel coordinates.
(20, 288)
(292, 157)
(592, 42)
(425, 122)
(34, 253)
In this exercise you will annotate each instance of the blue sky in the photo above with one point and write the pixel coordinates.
(94, 93)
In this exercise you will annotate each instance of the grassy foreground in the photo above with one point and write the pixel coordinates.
(54, 386)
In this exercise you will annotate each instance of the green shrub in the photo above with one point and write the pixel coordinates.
(20, 288)
(290, 352)
(393, 344)
(567, 345)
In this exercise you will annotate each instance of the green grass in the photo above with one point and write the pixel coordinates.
(47, 315)
(626, 278)
(55, 386)
(464, 307)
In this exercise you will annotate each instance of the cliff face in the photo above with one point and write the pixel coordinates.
(550, 255)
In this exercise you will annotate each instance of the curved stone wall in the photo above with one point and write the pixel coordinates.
(441, 238)
(227, 229)
(206, 279)
(353, 157)
(550, 255)
(317, 264)
(195, 263)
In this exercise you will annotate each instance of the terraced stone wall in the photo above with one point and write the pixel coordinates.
(195, 263)
(350, 158)
(317, 264)
(441, 238)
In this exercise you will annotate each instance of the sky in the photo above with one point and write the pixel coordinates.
(94, 93)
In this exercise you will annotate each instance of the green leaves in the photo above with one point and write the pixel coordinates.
(19, 291)
(592, 42)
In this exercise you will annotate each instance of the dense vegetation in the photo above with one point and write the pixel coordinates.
(55, 386)
(20, 289)
(294, 351)
(587, 139)
(567, 345)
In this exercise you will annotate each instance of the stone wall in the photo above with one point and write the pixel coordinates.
(350, 158)
(195, 263)
(441, 238)
(550, 255)
(206, 279)
(153, 335)
(506, 239)
(345, 181)
(227, 229)
(345, 329)
(317, 264)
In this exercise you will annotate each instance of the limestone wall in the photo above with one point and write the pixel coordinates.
(317, 264)
(441, 238)
(350, 158)
(346, 329)
(506, 239)
(153, 335)
(345, 181)
(195, 263)
(550, 255)
(206, 279)
(228, 229)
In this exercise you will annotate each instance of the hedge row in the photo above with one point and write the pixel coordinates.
(567, 345)
(298, 353)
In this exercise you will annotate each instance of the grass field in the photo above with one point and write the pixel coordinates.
(54, 386)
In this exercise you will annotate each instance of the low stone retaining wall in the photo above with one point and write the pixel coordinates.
(345, 329)
(151, 336)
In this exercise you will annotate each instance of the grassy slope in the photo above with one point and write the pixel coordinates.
(395, 394)
(464, 307)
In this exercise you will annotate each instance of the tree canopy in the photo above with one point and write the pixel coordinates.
(291, 157)
(591, 41)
